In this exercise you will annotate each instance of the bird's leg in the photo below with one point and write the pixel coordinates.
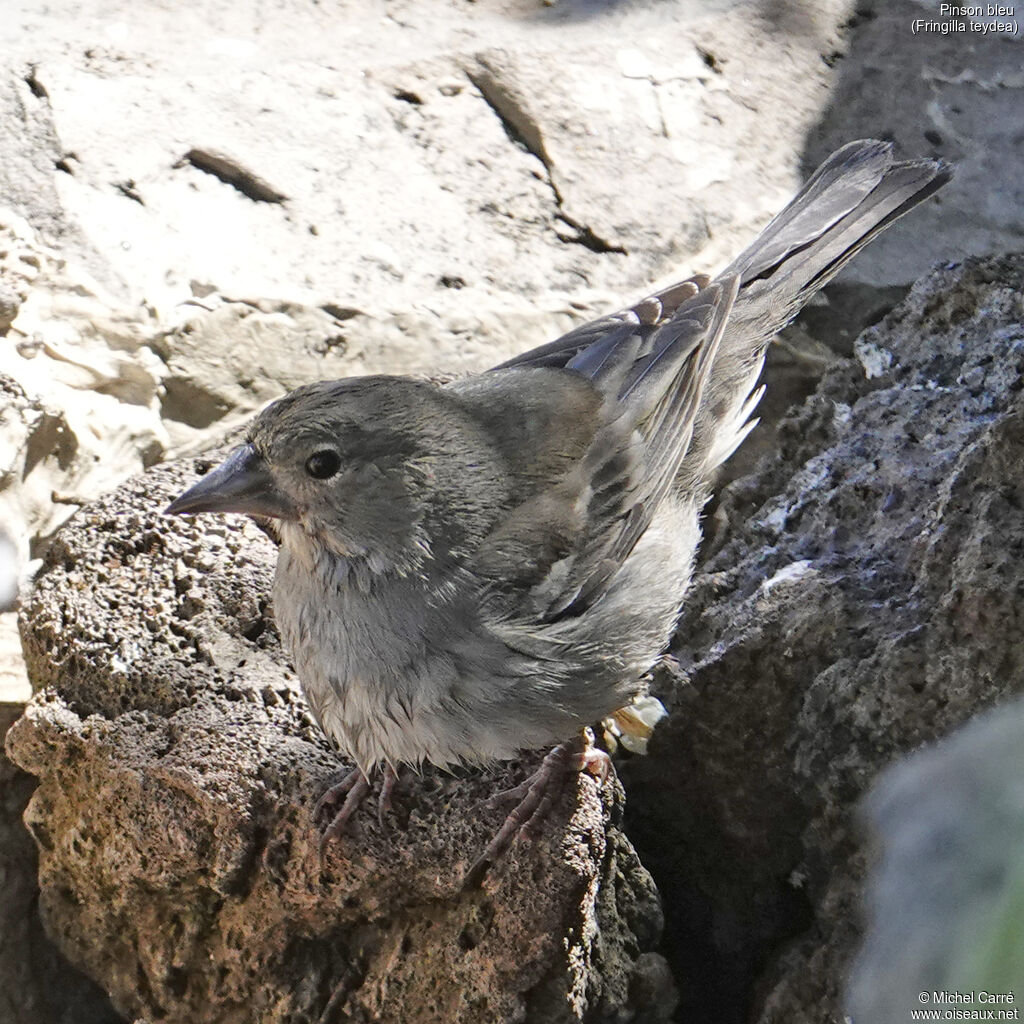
(535, 796)
(388, 780)
(353, 788)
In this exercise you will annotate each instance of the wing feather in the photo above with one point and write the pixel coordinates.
(651, 373)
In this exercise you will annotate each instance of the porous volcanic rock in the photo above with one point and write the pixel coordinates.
(864, 595)
(37, 984)
(178, 862)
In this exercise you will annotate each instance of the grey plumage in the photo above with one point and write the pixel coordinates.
(470, 570)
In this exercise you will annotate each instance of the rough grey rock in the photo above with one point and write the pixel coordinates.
(944, 900)
(863, 595)
(178, 769)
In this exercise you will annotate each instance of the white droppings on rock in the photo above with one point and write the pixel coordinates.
(787, 574)
(876, 361)
(841, 414)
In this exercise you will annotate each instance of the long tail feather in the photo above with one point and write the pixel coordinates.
(856, 194)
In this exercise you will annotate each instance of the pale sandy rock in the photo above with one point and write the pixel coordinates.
(504, 145)
(19, 264)
(79, 409)
(30, 149)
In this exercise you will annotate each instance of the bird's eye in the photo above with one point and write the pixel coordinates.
(323, 464)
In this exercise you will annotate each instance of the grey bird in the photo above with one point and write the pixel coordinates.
(470, 570)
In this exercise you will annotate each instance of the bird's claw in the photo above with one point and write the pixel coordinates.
(534, 798)
(387, 785)
(354, 788)
(334, 793)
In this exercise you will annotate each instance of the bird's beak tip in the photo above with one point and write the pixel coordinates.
(190, 504)
(178, 506)
(242, 483)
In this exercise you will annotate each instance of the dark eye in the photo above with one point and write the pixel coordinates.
(323, 464)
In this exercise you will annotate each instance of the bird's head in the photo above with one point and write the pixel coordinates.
(361, 468)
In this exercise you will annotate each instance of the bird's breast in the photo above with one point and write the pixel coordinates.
(384, 661)
(342, 625)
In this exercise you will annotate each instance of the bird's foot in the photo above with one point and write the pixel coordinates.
(535, 796)
(350, 792)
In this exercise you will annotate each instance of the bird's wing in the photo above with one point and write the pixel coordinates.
(641, 319)
(568, 541)
(653, 362)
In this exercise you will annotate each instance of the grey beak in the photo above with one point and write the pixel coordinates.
(241, 483)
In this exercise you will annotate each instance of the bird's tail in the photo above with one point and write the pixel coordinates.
(852, 197)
